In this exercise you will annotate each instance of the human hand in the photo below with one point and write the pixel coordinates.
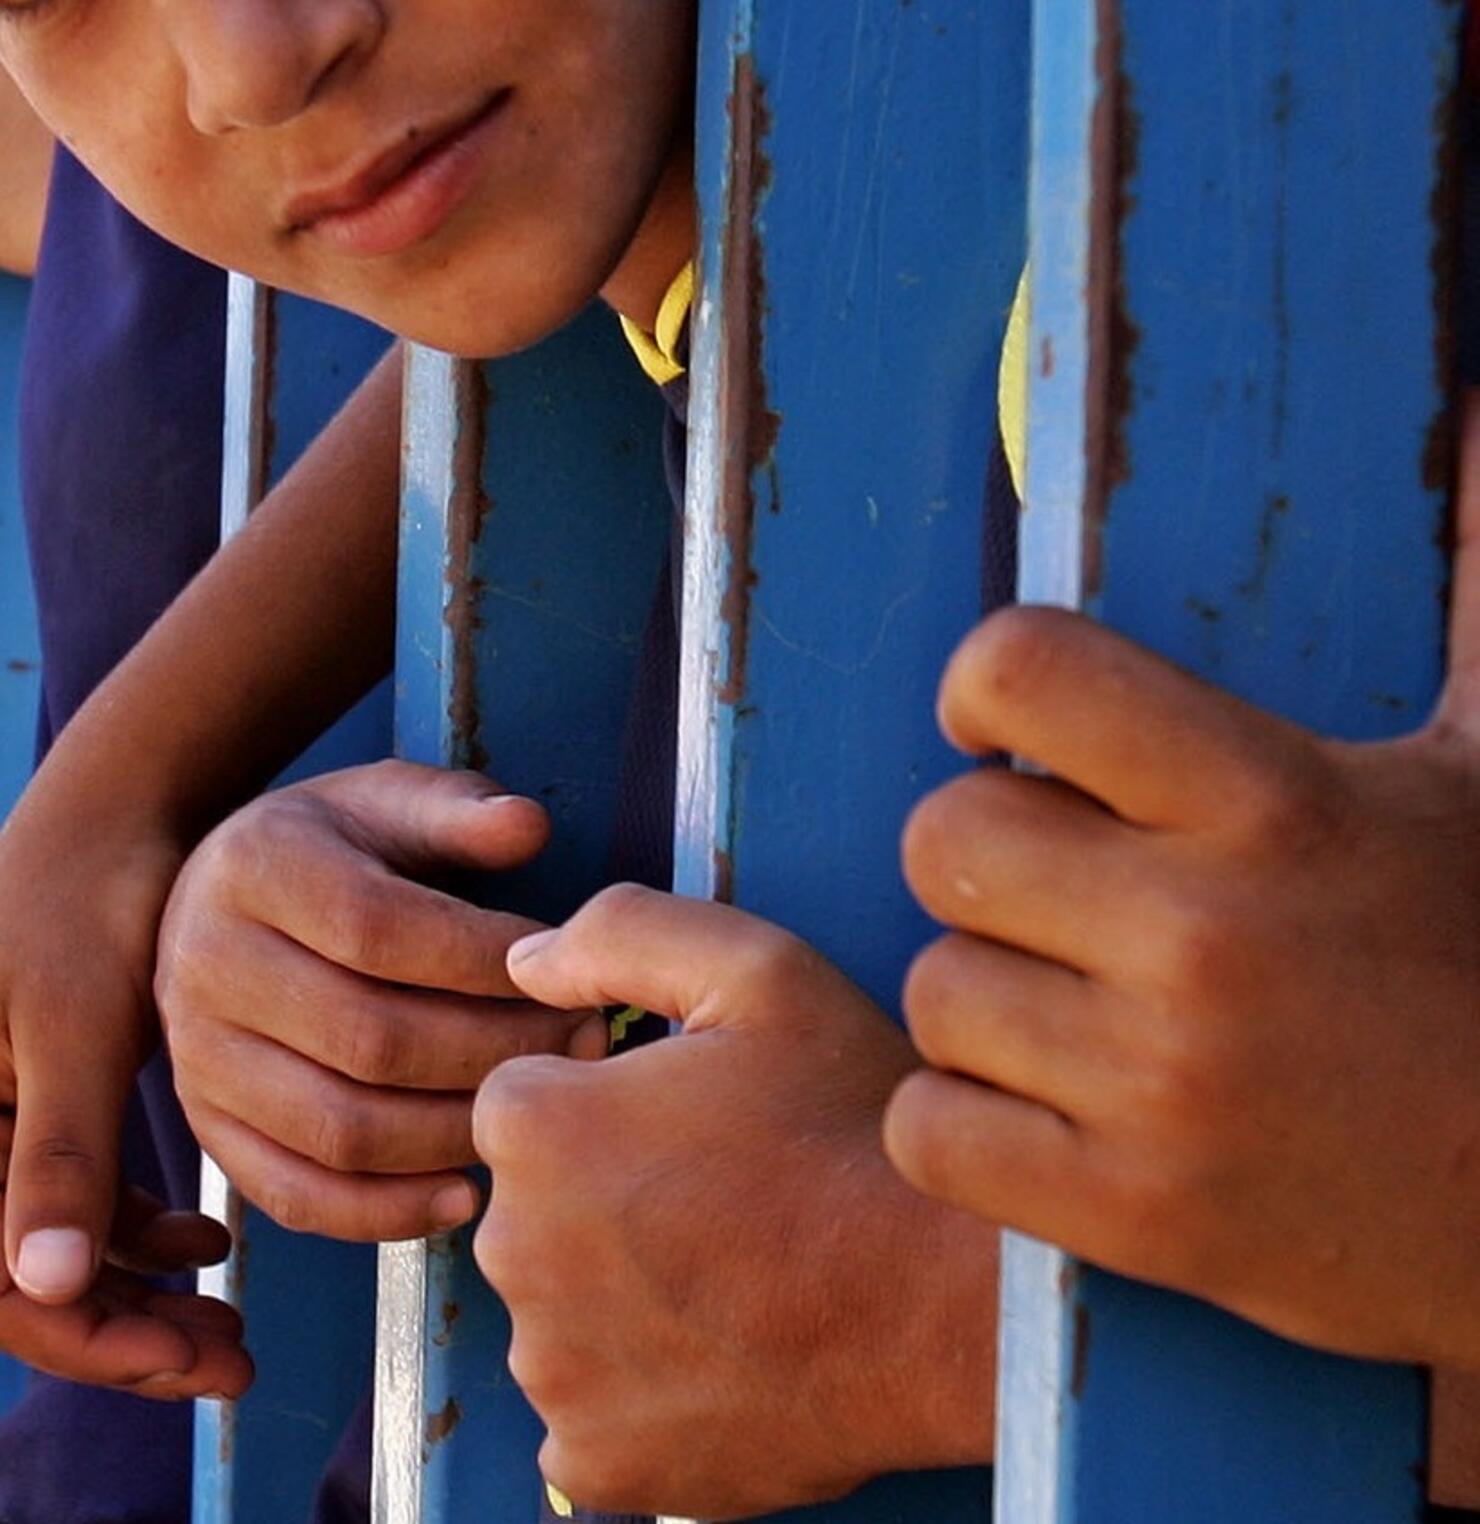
(82, 885)
(724, 1300)
(329, 1017)
(123, 1332)
(1209, 1014)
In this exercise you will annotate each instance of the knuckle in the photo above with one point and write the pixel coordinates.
(1291, 805)
(537, 1369)
(359, 921)
(56, 1153)
(611, 909)
(497, 1254)
(518, 1105)
(375, 1048)
(1010, 656)
(342, 1138)
(1202, 949)
(285, 1204)
(603, 1477)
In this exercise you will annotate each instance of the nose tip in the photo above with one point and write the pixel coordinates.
(260, 63)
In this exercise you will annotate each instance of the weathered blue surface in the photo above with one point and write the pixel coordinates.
(20, 653)
(1238, 371)
(861, 173)
(309, 1303)
(20, 656)
(533, 528)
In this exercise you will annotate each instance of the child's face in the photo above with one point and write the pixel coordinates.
(466, 172)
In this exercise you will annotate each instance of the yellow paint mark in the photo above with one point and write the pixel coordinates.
(624, 1021)
(564, 1508)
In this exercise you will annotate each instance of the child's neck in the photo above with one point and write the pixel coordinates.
(663, 246)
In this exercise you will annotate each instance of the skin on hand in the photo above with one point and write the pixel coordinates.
(1209, 1010)
(724, 1301)
(75, 1030)
(122, 1332)
(230, 128)
(330, 1017)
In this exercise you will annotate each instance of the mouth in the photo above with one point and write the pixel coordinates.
(406, 193)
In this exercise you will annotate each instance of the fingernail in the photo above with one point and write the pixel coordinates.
(54, 1262)
(159, 1382)
(528, 947)
(454, 1205)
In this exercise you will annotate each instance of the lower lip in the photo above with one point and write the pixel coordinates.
(419, 202)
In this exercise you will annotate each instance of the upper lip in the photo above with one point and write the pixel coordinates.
(376, 175)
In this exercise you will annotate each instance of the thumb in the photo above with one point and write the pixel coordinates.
(420, 817)
(693, 961)
(63, 1176)
(1460, 704)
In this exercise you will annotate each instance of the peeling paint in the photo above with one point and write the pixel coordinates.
(1114, 337)
(467, 514)
(441, 1425)
(1079, 1367)
(751, 427)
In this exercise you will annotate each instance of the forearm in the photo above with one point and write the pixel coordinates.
(288, 625)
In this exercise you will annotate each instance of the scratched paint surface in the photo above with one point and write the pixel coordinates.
(309, 1303)
(861, 171)
(533, 528)
(20, 654)
(1234, 457)
(20, 675)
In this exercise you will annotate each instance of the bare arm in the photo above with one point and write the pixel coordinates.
(281, 632)
(25, 167)
(278, 635)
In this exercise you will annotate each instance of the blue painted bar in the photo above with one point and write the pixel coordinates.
(308, 1303)
(1237, 456)
(861, 173)
(534, 521)
(20, 650)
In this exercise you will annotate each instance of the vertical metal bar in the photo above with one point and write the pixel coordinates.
(289, 364)
(1236, 455)
(861, 182)
(534, 521)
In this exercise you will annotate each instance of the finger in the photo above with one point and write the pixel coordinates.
(114, 1339)
(367, 1029)
(149, 1239)
(73, 1088)
(1015, 1022)
(200, 1315)
(1031, 862)
(1460, 705)
(349, 907)
(1157, 746)
(1005, 1159)
(305, 1197)
(426, 818)
(323, 1117)
(691, 960)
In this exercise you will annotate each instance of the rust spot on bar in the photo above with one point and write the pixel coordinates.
(1079, 1368)
(466, 515)
(451, 1312)
(1440, 455)
(750, 425)
(1113, 336)
(440, 1426)
(1047, 360)
(16, 664)
(724, 876)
